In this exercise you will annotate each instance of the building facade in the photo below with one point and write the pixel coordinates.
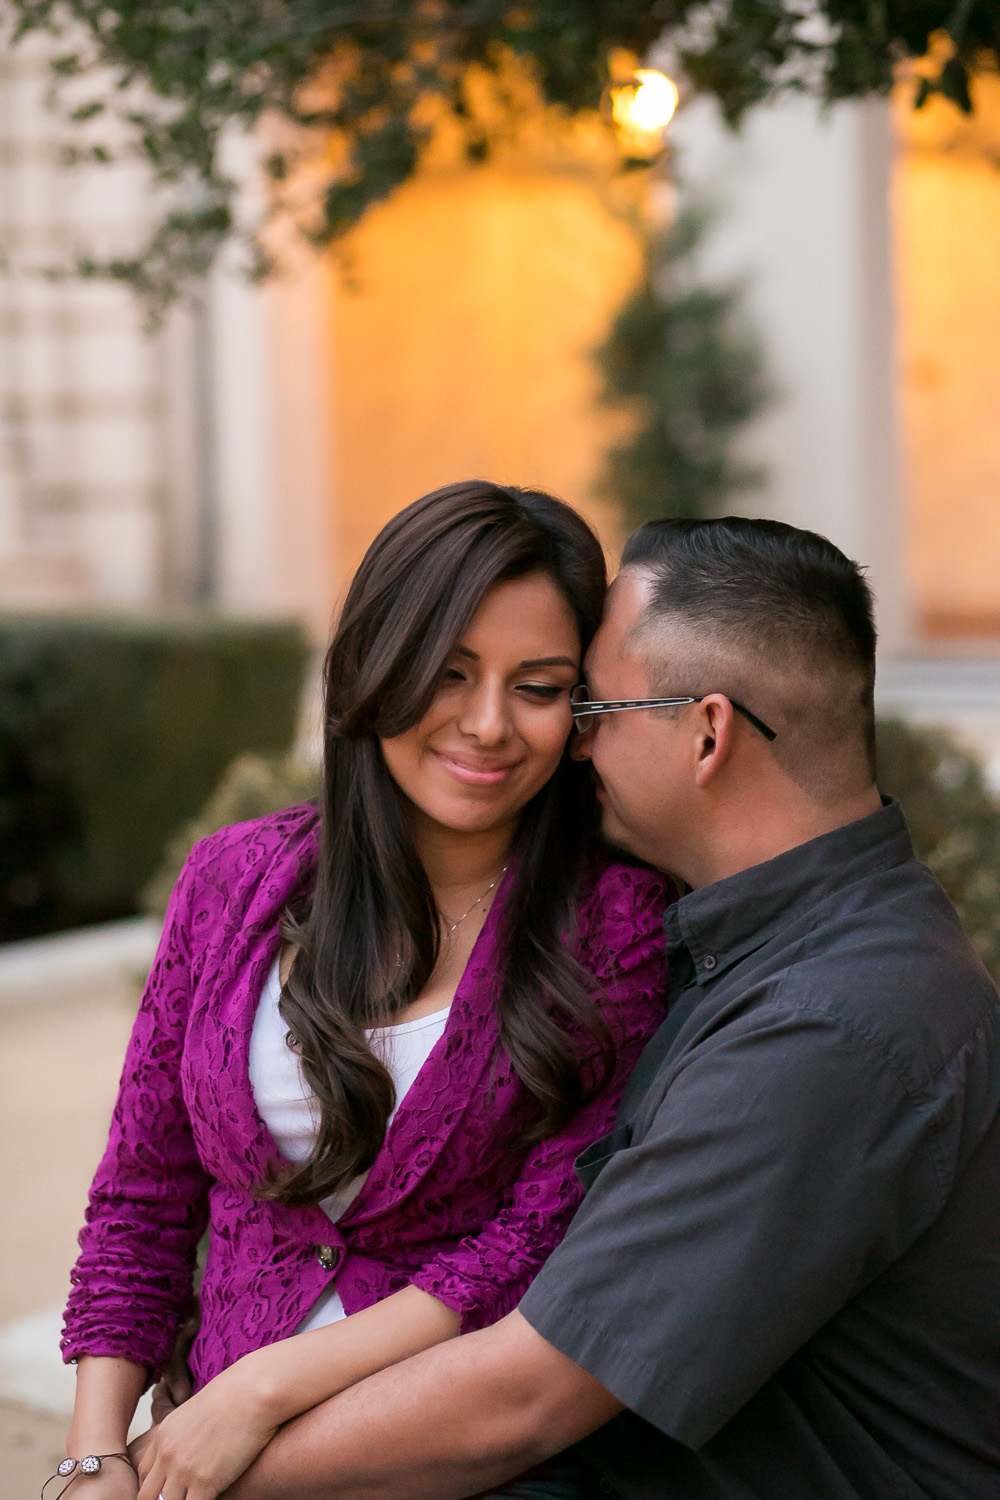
(243, 455)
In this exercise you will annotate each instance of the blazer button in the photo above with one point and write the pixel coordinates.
(327, 1257)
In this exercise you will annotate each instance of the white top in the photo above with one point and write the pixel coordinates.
(289, 1110)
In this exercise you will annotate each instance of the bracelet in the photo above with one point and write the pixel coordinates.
(92, 1464)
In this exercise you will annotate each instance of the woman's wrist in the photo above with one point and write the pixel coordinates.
(91, 1467)
(86, 1441)
(107, 1389)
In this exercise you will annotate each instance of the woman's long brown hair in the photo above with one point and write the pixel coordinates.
(367, 939)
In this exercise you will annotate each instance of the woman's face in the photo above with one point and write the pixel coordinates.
(499, 722)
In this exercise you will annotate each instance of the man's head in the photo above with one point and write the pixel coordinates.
(733, 611)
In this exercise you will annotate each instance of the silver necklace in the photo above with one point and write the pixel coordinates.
(479, 900)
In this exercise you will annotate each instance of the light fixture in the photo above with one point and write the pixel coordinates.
(642, 109)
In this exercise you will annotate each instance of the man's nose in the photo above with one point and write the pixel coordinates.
(485, 716)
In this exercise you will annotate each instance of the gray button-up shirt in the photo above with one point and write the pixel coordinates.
(788, 1263)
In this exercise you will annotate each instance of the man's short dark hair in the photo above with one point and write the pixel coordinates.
(783, 614)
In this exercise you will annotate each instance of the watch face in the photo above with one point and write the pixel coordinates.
(66, 1467)
(90, 1465)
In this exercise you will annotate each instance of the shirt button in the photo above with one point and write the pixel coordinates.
(709, 963)
(327, 1257)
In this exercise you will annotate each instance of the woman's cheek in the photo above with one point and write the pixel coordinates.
(549, 745)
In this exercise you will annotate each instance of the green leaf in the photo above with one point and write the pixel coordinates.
(208, 65)
(87, 111)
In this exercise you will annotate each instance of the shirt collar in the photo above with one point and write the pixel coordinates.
(721, 923)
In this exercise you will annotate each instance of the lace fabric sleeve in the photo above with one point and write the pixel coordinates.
(148, 1202)
(621, 943)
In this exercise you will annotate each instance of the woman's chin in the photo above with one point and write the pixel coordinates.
(469, 816)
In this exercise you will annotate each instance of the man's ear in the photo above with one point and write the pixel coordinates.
(715, 737)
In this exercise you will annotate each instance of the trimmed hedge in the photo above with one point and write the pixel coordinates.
(252, 787)
(954, 820)
(113, 732)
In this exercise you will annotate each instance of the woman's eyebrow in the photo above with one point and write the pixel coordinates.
(526, 666)
(550, 661)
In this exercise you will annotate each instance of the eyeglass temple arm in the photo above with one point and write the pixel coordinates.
(607, 705)
(758, 724)
(615, 705)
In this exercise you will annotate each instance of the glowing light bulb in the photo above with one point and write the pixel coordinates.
(645, 107)
(654, 101)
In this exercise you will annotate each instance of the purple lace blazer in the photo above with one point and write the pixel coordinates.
(449, 1204)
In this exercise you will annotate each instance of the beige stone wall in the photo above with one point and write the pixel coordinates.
(455, 340)
(280, 427)
(85, 475)
(462, 335)
(802, 224)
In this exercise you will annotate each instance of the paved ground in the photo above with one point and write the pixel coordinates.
(61, 1067)
(66, 1010)
(31, 1444)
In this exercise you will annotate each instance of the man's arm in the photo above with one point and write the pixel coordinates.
(785, 1167)
(450, 1422)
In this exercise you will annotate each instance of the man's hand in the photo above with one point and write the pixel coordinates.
(138, 1446)
(176, 1384)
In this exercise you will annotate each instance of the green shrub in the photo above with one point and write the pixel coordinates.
(683, 363)
(113, 731)
(252, 787)
(954, 820)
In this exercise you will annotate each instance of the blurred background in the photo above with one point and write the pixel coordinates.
(635, 306)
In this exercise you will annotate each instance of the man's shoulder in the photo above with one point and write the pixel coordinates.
(889, 962)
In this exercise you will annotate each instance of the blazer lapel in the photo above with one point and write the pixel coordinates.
(446, 1085)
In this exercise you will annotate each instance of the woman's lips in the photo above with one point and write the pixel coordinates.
(474, 771)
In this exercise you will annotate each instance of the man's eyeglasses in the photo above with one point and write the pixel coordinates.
(585, 710)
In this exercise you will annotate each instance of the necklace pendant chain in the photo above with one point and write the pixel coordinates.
(479, 900)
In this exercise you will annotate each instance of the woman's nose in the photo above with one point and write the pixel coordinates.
(485, 716)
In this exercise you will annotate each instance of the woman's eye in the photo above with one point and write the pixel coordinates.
(544, 691)
(452, 674)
